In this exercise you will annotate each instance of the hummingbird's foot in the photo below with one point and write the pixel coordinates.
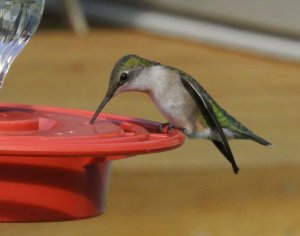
(162, 126)
(169, 126)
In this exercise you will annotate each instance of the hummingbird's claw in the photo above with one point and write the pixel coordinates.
(162, 126)
(169, 126)
(159, 128)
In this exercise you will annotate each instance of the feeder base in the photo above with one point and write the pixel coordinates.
(36, 189)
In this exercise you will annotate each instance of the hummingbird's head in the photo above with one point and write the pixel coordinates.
(125, 76)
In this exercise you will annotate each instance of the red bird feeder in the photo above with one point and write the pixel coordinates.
(54, 165)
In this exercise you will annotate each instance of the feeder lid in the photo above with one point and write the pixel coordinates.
(46, 131)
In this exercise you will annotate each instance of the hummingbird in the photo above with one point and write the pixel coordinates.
(181, 100)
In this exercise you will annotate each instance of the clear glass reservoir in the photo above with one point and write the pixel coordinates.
(18, 21)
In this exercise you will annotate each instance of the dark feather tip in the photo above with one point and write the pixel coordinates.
(235, 169)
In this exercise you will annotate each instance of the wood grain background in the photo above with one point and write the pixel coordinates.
(190, 190)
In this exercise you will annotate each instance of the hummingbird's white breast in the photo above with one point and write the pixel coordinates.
(172, 99)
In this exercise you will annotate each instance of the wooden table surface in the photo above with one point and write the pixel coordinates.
(191, 190)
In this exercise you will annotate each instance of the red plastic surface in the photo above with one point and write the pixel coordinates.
(54, 165)
(66, 132)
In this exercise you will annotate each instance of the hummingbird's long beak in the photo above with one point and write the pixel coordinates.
(101, 106)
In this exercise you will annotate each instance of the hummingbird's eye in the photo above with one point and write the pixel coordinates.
(123, 77)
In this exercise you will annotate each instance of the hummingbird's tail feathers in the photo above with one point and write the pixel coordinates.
(254, 137)
(239, 130)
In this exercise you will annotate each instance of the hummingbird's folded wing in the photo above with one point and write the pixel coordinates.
(201, 98)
